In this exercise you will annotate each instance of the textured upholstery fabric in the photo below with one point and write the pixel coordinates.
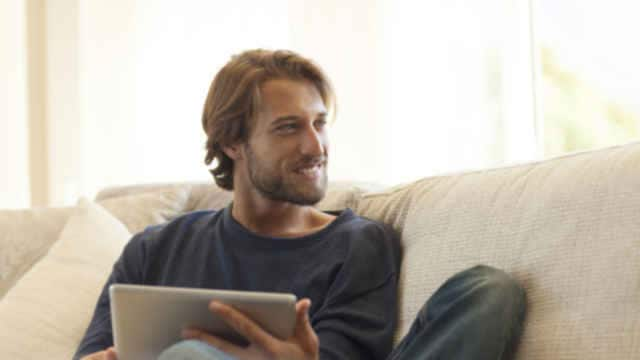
(567, 228)
(138, 211)
(27, 235)
(46, 313)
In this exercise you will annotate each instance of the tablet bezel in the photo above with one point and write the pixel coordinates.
(147, 319)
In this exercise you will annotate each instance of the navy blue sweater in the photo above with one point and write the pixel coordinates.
(349, 270)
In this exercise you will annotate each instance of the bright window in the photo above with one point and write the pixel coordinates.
(590, 78)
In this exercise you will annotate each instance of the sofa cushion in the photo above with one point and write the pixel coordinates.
(28, 234)
(566, 228)
(25, 237)
(48, 311)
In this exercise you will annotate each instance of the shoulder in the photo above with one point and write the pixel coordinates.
(369, 240)
(157, 241)
(190, 221)
(183, 226)
(364, 230)
(371, 259)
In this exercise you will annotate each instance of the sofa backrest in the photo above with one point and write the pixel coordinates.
(206, 195)
(567, 228)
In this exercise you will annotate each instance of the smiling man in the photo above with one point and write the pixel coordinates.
(266, 123)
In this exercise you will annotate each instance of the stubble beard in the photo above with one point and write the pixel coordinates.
(276, 187)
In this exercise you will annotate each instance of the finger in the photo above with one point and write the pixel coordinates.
(302, 315)
(302, 311)
(110, 354)
(303, 323)
(220, 344)
(244, 325)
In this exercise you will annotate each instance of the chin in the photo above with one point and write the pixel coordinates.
(305, 195)
(307, 198)
(294, 191)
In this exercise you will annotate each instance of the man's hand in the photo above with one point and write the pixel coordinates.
(109, 354)
(302, 345)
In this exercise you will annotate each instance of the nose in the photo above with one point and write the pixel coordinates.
(314, 142)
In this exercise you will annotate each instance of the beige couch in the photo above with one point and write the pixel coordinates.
(568, 228)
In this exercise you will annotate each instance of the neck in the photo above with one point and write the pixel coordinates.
(272, 218)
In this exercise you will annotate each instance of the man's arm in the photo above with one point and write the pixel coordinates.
(127, 269)
(358, 328)
(358, 317)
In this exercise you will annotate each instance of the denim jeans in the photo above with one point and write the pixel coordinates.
(193, 350)
(476, 314)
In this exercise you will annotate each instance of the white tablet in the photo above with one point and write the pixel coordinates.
(148, 319)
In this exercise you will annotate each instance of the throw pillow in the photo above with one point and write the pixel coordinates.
(45, 314)
(28, 234)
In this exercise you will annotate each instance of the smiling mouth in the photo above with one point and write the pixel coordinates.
(311, 172)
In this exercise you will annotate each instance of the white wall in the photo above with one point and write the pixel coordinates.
(64, 123)
(14, 179)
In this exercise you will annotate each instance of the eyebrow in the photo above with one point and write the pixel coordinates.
(284, 119)
(293, 117)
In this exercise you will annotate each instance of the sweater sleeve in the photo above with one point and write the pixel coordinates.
(129, 268)
(358, 318)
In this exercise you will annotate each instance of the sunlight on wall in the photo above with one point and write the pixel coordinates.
(14, 181)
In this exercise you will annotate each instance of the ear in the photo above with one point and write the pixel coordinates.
(233, 151)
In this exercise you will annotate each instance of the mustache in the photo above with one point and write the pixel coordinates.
(309, 161)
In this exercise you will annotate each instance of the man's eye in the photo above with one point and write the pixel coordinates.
(287, 127)
(321, 123)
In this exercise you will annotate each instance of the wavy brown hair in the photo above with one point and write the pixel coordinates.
(234, 100)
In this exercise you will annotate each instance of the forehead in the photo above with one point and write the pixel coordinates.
(284, 97)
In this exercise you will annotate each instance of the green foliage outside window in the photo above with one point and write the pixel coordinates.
(578, 116)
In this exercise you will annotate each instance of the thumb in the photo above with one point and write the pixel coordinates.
(110, 354)
(303, 324)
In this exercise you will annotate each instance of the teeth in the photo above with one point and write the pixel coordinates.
(310, 170)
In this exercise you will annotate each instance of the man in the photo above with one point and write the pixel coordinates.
(266, 122)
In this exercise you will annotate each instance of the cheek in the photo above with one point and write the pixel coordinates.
(275, 156)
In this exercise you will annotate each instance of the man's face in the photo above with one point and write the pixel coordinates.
(286, 154)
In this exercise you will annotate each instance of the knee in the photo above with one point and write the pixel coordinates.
(483, 290)
(495, 279)
(499, 286)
